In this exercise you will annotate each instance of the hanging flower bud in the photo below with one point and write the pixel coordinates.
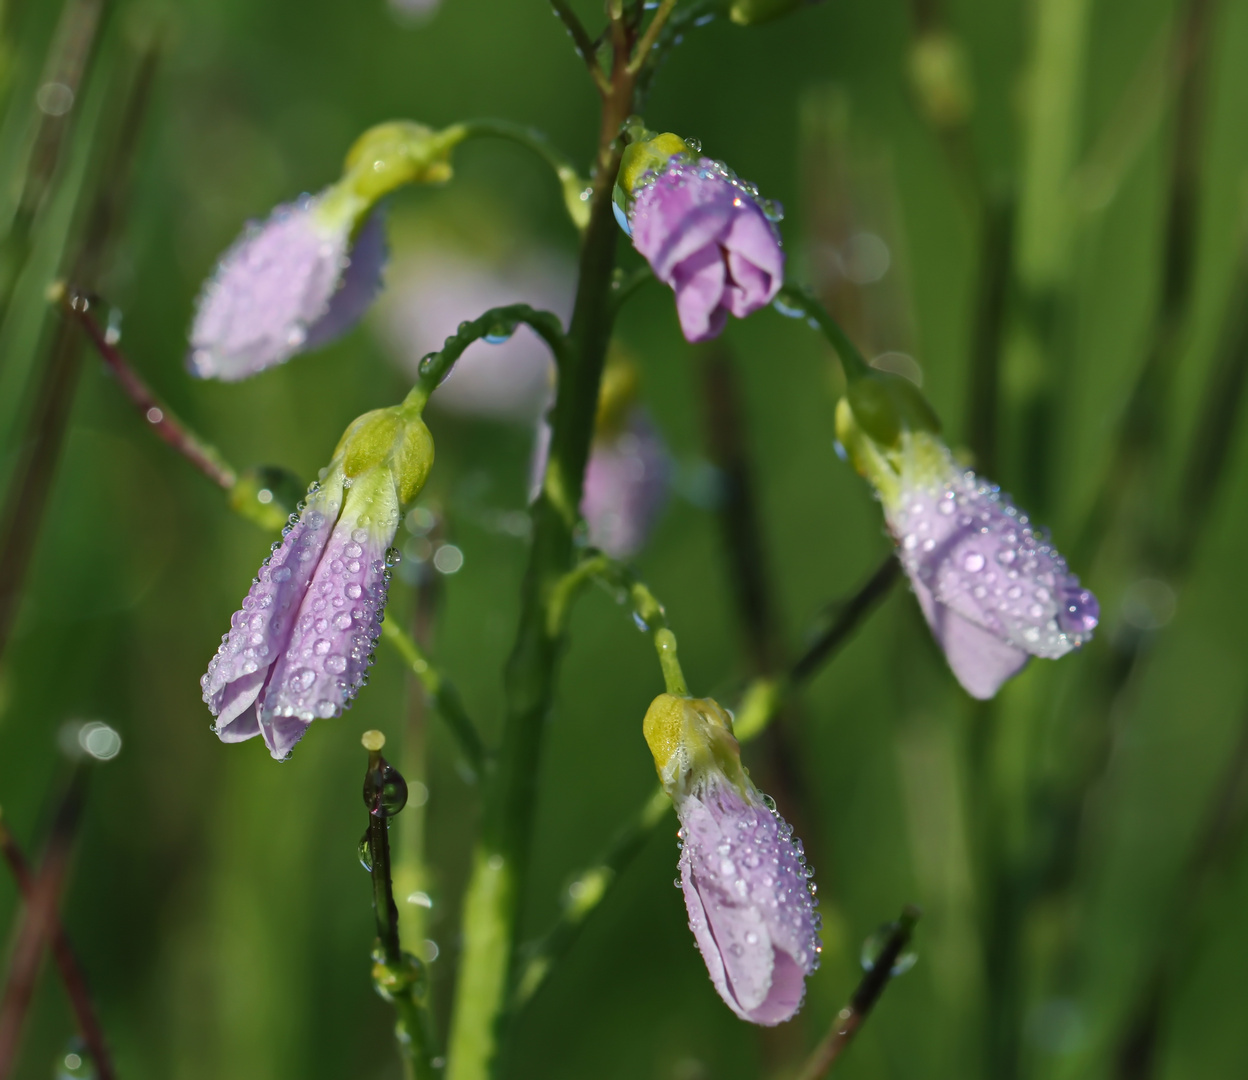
(300, 647)
(629, 472)
(993, 589)
(745, 880)
(306, 274)
(704, 231)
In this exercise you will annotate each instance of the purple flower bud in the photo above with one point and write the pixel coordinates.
(627, 482)
(293, 282)
(299, 648)
(745, 880)
(993, 588)
(749, 902)
(706, 234)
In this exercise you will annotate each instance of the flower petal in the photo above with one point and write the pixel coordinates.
(699, 284)
(260, 629)
(331, 643)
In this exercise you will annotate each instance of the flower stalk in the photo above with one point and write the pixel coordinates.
(398, 976)
(500, 862)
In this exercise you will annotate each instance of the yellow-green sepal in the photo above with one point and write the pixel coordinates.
(690, 738)
(393, 438)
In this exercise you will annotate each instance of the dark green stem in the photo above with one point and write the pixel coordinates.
(851, 1018)
(500, 862)
(794, 300)
(499, 322)
(397, 976)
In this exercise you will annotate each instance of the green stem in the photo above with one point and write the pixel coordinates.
(575, 187)
(442, 694)
(499, 322)
(500, 863)
(585, 47)
(585, 893)
(796, 301)
(645, 606)
(759, 704)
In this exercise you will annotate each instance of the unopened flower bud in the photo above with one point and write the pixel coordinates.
(300, 647)
(744, 878)
(993, 589)
(703, 230)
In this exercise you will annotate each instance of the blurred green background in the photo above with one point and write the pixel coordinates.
(1076, 845)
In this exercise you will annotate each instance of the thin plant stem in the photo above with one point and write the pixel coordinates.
(500, 861)
(585, 893)
(442, 695)
(992, 292)
(758, 705)
(499, 323)
(847, 1022)
(586, 49)
(644, 605)
(33, 473)
(39, 918)
(163, 422)
(792, 299)
(740, 528)
(69, 62)
(575, 188)
(398, 976)
(67, 965)
(650, 38)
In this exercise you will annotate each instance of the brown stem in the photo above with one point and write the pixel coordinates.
(28, 493)
(78, 307)
(72, 976)
(847, 1022)
(37, 922)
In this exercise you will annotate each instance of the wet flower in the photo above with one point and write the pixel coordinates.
(628, 475)
(704, 231)
(745, 880)
(292, 283)
(306, 274)
(431, 291)
(992, 587)
(300, 646)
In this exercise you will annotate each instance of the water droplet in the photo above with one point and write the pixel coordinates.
(874, 946)
(365, 854)
(973, 563)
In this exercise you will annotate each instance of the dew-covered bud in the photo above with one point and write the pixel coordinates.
(398, 152)
(291, 283)
(300, 647)
(703, 230)
(992, 587)
(744, 877)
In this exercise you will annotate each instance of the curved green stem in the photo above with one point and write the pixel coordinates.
(575, 187)
(645, 607)
(499, 323)
(443, 696)
(795, 301)
(758, 706)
